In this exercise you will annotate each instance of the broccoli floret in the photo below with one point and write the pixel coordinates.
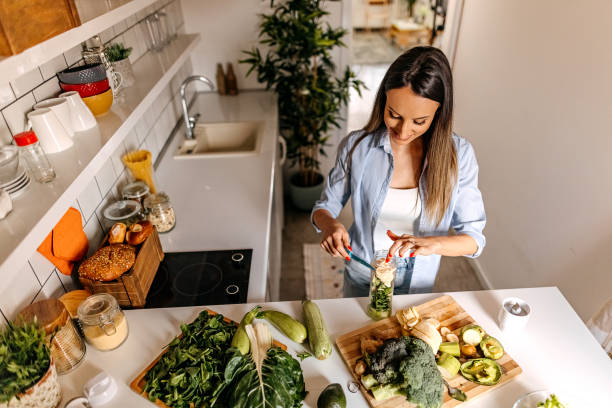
(384, 363)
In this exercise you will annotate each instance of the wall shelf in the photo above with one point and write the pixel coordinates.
(37, 210)
(16, 65)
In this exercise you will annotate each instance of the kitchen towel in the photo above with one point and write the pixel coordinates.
(66, 243)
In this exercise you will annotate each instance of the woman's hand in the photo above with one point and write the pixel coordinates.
(411, 245)
(335, 237)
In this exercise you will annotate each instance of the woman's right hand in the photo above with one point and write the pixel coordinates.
(335, 237)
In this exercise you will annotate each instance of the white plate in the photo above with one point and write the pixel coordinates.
(22, 183)
(23, 188)
(20, 175)
(532, 399)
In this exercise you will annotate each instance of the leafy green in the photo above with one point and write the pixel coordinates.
(380, 298)
(283, 382)
(24, 358)
(194, 366)
(551, 402)
(117, 52)
(303, 355)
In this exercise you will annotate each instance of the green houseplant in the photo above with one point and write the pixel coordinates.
(27, 374)
(118, 55)
(297, 64)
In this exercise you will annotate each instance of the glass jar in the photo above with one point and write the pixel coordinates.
(104, 324)
(34, 156)
(137, 191)
(160, 211)
(125, 211)
(381, 286)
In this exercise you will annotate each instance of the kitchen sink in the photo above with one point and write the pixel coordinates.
(222, 139)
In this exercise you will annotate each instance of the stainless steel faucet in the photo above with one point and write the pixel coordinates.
(190, 122)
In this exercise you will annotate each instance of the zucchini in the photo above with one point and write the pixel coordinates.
(472, 334)
(241, 339)
(286, 324)
(318, 339)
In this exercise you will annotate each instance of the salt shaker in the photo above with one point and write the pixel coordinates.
(513, 315)
(34, 156)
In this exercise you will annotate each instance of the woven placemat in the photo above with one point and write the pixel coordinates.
(324, 274)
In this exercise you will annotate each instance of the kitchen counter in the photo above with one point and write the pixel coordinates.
(224, 202)
(555, 350)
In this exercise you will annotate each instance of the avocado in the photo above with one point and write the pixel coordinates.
(492, 348)
(332, 397)
(482, 371)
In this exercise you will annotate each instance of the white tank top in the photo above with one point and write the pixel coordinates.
(399, 213)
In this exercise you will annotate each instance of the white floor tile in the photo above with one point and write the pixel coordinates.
(18, 289)
(50, 68)
(26, 82)
(89, 199)
(15, 114)
(106, 177)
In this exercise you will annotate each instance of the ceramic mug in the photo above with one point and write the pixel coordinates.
(513, 315)
(81, 116)
(115, 80)
(61, 108)
(51, 134)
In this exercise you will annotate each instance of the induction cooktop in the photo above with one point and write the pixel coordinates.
(201, 278)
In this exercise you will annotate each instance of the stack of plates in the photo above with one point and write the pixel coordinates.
(16, 186)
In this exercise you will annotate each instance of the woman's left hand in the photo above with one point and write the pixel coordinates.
(411, 245)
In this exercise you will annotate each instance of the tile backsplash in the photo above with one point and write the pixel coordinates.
(38, 278)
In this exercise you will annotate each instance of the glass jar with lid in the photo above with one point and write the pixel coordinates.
(125, 211)
(160, 212)
(104, 323)
(381, 286)
(137, 191)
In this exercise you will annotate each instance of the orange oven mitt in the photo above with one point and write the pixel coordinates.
(66, 243)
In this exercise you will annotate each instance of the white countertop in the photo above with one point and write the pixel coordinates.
(555, 351)
(224, 202)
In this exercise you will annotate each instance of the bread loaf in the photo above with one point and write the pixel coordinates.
(138, 232)
(116, 235)
(108, 263)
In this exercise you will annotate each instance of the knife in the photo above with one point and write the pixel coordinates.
(358, 259)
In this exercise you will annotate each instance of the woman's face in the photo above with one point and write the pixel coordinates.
(408, 115)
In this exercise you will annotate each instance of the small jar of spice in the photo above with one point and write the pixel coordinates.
(137, 191)
(104, 324)
(160, 211)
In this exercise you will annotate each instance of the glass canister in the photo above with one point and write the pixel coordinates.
(160, 211)
(104, 323)
(136, 191)
(34, 156)
(125, 211)
(381, 286)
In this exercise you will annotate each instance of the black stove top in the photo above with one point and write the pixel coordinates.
(201, 278)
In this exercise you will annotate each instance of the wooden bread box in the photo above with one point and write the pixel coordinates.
(24, 23)
(131, 288)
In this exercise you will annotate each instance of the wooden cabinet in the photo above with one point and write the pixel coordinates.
(24, 23)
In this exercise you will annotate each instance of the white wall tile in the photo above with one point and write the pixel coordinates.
(141, 129)
(123, 179)
(26, 82)
(120, 27)
(107, 35)
(108, 200)
(15, 114)
(5, 133)
(93, 230)
(150, 144)
(116, 161)
(131, 40)
(6, 94)
(131, 142)
(18, 289)
(141, 42)
(106, 177)
(49, 69)
(73, 55)
(89, 199)
(52, 288)
(76, 205)
(49, 89)
(131, 20)
(67, 281)
(41, 266)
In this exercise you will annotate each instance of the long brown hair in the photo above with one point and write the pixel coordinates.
(427, 72)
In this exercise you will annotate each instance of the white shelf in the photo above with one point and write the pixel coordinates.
(16, 65)
(37, 210)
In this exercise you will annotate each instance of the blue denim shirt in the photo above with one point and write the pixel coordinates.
(367, 184)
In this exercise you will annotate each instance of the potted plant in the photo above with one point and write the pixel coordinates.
(28, 377)
(298, 66)
(117, 55)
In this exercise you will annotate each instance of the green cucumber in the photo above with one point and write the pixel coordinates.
(448, 366)
(286, 324)
(451, 347)
(241, 339)
(318, 339)
(332, 397)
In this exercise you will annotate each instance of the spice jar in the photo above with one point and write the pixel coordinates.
(125, 211)
(34, 156)
(160, 211)
(67, 347)
(381, 286)
(104, 324)
(136, 191)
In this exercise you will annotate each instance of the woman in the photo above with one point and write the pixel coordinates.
(410, 178)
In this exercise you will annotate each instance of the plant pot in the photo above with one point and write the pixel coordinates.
(46, 393)
(124, 67)
(304, 197)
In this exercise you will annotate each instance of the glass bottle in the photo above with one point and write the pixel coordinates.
(381, 286)
(34, 156)
(160, 211)
(104, 323)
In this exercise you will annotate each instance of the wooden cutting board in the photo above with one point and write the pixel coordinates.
(451, 315)
(138, 383)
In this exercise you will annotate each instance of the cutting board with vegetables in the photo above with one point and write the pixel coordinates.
(138, 384)
(451, 315)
